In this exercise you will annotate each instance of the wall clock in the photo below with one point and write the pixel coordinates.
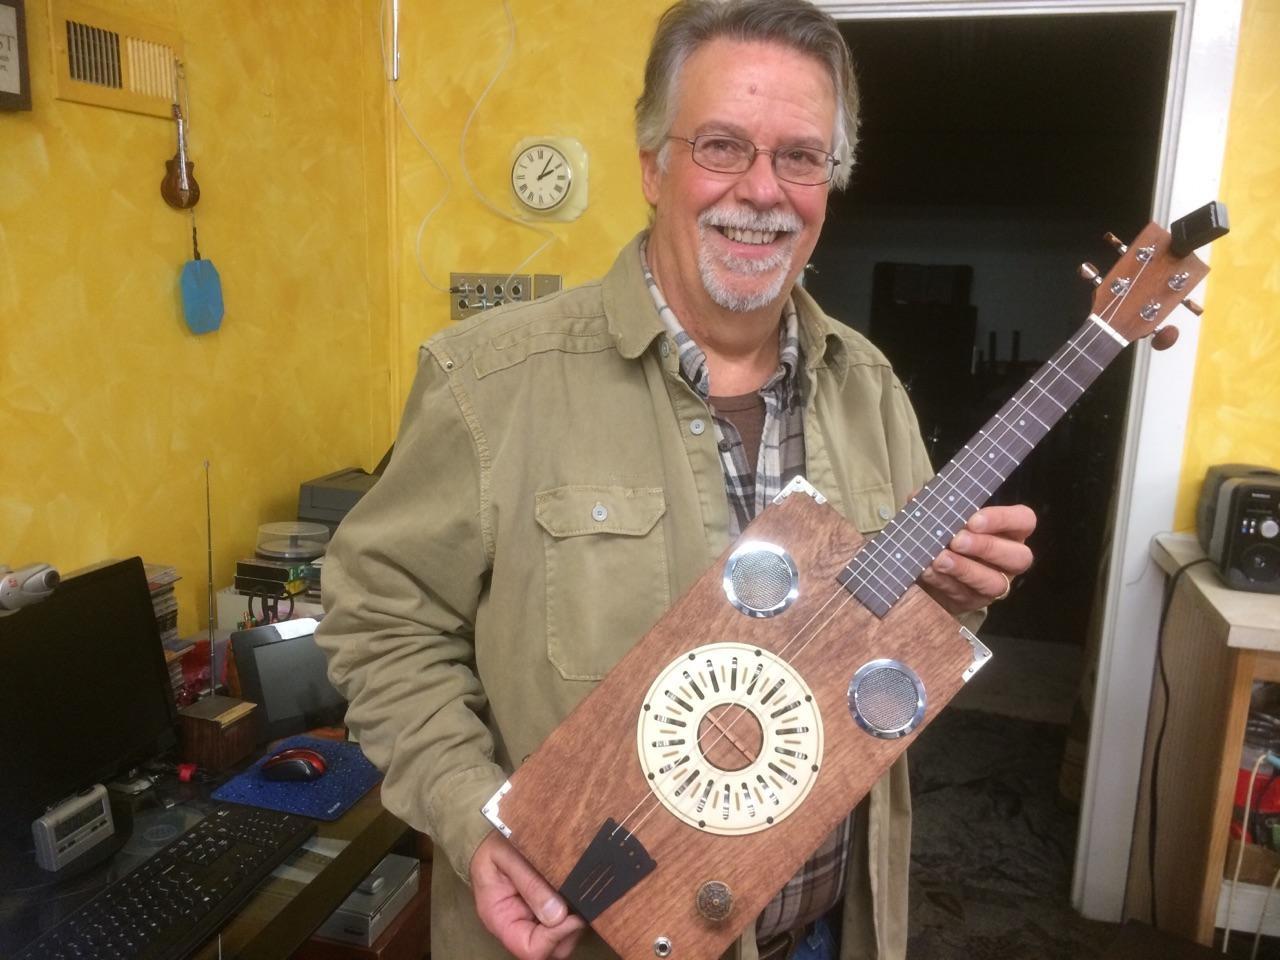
(549, 177)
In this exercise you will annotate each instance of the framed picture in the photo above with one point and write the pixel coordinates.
(15, 85)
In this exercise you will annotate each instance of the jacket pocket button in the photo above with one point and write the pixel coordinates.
(599, 513)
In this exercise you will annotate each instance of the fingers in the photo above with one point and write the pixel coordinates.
(1015, 522)
(542, 900)
(518, 906)
(979, 564)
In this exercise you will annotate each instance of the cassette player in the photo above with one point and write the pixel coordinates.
(1238, 525)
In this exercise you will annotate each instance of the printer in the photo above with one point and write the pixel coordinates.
(327, 499)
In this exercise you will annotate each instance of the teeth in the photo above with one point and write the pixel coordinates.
(750, 236)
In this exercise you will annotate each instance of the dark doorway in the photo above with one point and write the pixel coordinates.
(995, 153)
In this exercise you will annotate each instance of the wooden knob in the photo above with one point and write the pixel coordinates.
(715, 901)
(1164, 338)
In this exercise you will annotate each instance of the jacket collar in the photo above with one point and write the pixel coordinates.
(634, 322)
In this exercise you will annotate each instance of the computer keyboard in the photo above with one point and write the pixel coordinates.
(181, 895)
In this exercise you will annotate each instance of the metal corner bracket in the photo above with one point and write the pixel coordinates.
(799, 485)
(981, 654)
(490, 810)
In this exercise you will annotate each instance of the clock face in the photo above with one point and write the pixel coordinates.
(541, 177)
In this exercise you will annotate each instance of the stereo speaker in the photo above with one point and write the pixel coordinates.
(1238, 524)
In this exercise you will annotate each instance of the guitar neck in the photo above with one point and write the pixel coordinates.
(891, 561)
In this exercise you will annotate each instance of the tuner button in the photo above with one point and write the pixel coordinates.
(1089, 272)
(1193, 306)
(1164, 338)
(1269, 528)
(1116, 242)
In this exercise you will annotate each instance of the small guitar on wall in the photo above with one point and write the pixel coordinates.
(673, 803)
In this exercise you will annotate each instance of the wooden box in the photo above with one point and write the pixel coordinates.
(217, 732)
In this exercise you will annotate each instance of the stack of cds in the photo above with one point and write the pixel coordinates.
(286, 562)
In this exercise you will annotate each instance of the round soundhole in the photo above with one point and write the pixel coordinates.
(760, 579)
(887, 698)
(730, 737)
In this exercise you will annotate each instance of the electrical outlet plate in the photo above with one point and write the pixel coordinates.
(472, 292)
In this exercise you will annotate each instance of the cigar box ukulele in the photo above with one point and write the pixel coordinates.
(678, 798)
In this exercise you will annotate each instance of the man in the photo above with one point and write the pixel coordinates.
(566, 468)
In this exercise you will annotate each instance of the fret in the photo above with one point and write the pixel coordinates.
(889, 562)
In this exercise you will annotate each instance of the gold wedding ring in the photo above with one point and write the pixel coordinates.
(1008, 585)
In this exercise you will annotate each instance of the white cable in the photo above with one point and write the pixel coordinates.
(448, 181)
(1257, 937)
(462, 151)
(1244, 833)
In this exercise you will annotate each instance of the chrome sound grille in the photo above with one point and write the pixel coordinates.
(760, 579)
(887, 699)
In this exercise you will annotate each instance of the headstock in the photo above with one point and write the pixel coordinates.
(1154, 274)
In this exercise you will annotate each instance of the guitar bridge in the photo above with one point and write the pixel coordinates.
(613, 863)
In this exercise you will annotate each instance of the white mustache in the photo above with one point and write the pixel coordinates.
(765, 221)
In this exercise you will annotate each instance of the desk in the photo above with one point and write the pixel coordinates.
(270, 926)
(1217, 643)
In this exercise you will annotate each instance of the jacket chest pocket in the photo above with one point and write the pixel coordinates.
(606, 573)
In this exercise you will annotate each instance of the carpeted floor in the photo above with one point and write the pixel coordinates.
(993, 844)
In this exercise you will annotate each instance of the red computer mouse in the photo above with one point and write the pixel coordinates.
(296, 763)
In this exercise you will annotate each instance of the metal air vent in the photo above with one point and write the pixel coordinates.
(112, 61)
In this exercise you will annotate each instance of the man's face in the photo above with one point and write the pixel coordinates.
(739, 240)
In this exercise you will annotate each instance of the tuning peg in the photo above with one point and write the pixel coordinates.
(1193, 306)
(1089, 272)
(1115, 241)
(1164, 338)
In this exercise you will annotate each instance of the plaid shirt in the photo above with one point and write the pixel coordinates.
(750, 487)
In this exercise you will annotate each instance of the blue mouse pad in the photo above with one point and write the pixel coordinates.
(348, 776)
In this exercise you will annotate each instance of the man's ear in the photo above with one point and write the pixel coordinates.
(650, 176)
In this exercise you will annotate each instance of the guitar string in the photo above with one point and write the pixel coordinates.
(942, 483)
(1077, 341)
(848, 592)
(882, 546)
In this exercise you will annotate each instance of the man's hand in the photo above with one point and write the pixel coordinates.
(982, 559)
(518, 906)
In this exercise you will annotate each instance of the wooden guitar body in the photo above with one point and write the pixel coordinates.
(590, 771)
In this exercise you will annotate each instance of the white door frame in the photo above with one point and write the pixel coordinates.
(1192, 143)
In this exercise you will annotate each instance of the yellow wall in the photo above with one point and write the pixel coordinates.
(108, 404)
(313, 192)
(1235, 402)
(575, 71)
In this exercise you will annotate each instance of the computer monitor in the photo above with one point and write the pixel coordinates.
(84, 691)
(283, 671)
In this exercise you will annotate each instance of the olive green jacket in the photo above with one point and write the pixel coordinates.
(472, 600)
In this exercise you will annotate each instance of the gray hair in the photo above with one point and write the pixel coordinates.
(793, 23)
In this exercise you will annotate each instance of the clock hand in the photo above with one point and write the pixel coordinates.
(548, 172)
(544, 168)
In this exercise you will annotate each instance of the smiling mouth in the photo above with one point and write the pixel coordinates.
(753, 237)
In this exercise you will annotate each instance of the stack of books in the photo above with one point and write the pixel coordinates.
(164, 601)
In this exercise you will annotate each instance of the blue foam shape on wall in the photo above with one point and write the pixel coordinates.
(201, 296)
(348, 776)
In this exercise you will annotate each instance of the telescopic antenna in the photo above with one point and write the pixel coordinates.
(208, 521)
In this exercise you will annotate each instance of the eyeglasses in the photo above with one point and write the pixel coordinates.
(807, 166)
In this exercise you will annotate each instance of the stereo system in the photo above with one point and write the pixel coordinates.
(72, 828)
(1238, 524)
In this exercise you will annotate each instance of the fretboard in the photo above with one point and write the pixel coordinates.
(887, 564)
